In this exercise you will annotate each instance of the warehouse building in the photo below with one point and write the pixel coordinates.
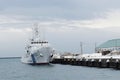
(109, 47)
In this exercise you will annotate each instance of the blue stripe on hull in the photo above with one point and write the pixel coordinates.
(33, 59)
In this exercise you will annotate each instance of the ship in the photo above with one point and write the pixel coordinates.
(38, 51)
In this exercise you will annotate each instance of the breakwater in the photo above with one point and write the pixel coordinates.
(90, 62)
(10, 57)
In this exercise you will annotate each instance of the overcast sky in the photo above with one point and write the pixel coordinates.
(66, 22)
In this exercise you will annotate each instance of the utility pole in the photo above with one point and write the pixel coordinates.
(81, 47)
(95, 47)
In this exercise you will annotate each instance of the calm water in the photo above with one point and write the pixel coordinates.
(13, 69)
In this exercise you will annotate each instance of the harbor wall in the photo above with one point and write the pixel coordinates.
(101, 63)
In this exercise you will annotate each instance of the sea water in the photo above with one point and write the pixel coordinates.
(13, 69)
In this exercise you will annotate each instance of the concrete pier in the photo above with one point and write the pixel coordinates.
(101, 63)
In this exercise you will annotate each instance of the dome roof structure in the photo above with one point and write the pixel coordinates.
(110, 43)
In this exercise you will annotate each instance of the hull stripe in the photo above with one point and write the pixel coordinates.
(33, 59)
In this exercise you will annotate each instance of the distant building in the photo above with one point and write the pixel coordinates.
(109, 46)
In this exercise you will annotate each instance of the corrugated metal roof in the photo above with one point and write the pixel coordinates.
(110, 43)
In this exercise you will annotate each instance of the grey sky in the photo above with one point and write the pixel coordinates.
(67, 23)
(65, 9)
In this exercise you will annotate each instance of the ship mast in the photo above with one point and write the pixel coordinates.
(36, 31)
(37, 37)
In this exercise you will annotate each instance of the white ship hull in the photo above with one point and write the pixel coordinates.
(36, 61)
(42, 56)
(38, 51)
